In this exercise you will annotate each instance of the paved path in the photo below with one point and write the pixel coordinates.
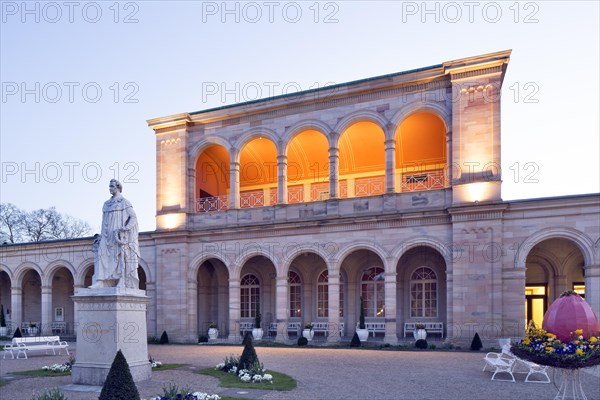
(323, 374)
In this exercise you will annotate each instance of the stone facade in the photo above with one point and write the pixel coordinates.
(421, 232)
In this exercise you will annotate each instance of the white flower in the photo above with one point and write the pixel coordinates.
(206, 396)
(245, 378)
(45, 368)
(220, 366)
(267, 377)
(256, 378)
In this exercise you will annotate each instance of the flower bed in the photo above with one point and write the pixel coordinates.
(255, 374)
(544, 348)
(66, 367)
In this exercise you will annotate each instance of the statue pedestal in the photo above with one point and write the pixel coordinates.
(108, 320)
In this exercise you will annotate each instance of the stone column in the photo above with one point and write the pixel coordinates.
(234, 310)
(282, 195)
(234, 185)
(592, 286)
(334, 308)
(391, 336)
(281, 307)
(334, 164)
(390, 165)
(16, 311)
(193, 332)
(46, 310)
(110, 319)
(151, 311)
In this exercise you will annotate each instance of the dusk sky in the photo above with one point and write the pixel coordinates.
(80, 79)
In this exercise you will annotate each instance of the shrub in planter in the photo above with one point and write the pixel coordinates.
(476, 344)
(164, 338)
(355, 342)
(18, 333)
(119, 383)
(2, 318)
(202, 339)
(248, 357)
(361, 318)
(302, 341)
(50, 394)
(421, 344)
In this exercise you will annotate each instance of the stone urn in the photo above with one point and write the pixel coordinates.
(3, 331)
(363, 334)
(213, 333)
(32, 330)
(308, 334)
(257, 333)
(420, 333)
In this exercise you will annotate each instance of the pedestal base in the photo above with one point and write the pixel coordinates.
(108, 320)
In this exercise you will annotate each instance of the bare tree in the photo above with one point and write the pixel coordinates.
(11, 223)
(44, 224)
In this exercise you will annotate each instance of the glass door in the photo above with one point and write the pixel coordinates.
(536, 302)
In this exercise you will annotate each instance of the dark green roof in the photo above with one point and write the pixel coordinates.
(282, 96)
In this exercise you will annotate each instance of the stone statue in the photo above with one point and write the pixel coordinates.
(116, 250)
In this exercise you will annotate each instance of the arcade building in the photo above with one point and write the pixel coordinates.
(386, 189)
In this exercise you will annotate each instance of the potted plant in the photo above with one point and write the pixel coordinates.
(33, 329)
(361, 330)
(213, 332)
(308, 332)
(257, 332)
(3, 328)
(420, 332)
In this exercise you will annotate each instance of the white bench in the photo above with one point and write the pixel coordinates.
(291, 327)
(24, 344)
(323, 327)
(374, 327)
(430, 327)
(246, 327)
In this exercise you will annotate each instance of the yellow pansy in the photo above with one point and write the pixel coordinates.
(551, 335)
(549, 349)
(593, 339)
(579, 352)
(579, 331)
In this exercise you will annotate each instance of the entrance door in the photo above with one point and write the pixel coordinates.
(536, 303)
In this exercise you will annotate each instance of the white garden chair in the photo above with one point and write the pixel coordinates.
(500, 363)
(534, 369)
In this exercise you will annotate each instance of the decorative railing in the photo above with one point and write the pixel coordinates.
(369, 186)
(210, 204)
(251, 199)
(296, 194)
(427, 180)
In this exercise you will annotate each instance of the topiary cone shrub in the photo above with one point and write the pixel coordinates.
(119, 383)
(476, 344)
(355, 342)
(247, 339)
(248, 357)
(164, 338)
(302, 341)
(421, 344)
(17, 333)
(567, 314)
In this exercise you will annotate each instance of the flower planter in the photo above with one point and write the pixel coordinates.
(257, 333)
(213, 333)
(363, 334)
(420, 334)
(32, 330)
(308, 334)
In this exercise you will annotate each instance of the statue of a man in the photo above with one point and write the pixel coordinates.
(116, 249)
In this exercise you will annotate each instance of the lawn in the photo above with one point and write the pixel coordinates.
(280, 381)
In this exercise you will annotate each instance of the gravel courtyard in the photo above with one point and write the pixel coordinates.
(321, 373)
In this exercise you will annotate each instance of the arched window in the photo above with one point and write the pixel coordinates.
(323, 295)
(373, 292)
(423, 293)
(249, 295)
(295, 285)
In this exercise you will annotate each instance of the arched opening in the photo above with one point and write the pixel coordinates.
(421, 152)
(257, 286)
(142, 278)
(63, 313)
(295, 295)
(89, 276)
(258, 173)
(362, 160)
(421, 287)
(364, 269)
(5, 299)
(308, 167)
(212, 179)
(213, 296)
(552, 267)
(32, 301)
